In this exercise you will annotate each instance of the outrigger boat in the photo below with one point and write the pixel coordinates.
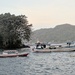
(12, 53)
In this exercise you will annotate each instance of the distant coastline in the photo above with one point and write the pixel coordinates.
(60, 33)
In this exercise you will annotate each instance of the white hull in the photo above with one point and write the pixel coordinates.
(53, 50)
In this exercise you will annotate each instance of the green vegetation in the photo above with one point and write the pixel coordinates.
(13, 29)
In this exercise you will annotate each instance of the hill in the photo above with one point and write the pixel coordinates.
(60, 33)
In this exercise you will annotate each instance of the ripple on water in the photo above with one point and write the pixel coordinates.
(39, 64)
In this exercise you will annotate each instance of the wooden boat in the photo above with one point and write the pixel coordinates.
(12, 53)
(47, 50)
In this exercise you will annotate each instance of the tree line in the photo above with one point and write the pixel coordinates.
(13, 29)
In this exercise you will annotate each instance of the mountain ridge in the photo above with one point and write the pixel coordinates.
(60, 33)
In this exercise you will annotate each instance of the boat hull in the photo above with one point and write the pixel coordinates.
(53, 50)
(13, 55)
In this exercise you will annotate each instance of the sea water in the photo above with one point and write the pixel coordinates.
(55, 63)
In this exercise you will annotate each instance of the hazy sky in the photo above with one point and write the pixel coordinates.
(42, 13)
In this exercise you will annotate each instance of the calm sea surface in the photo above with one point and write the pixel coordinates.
(62, 63)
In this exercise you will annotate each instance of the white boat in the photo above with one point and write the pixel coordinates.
(12, 53)
(47, 50)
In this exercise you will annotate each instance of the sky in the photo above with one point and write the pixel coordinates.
(41, 13)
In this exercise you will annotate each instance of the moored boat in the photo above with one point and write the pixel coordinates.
(12, 53)
(46, 50)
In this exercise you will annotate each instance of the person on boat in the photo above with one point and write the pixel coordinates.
(44, 45)
(37, 45)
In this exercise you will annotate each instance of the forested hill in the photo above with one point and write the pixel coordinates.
(60, 33)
